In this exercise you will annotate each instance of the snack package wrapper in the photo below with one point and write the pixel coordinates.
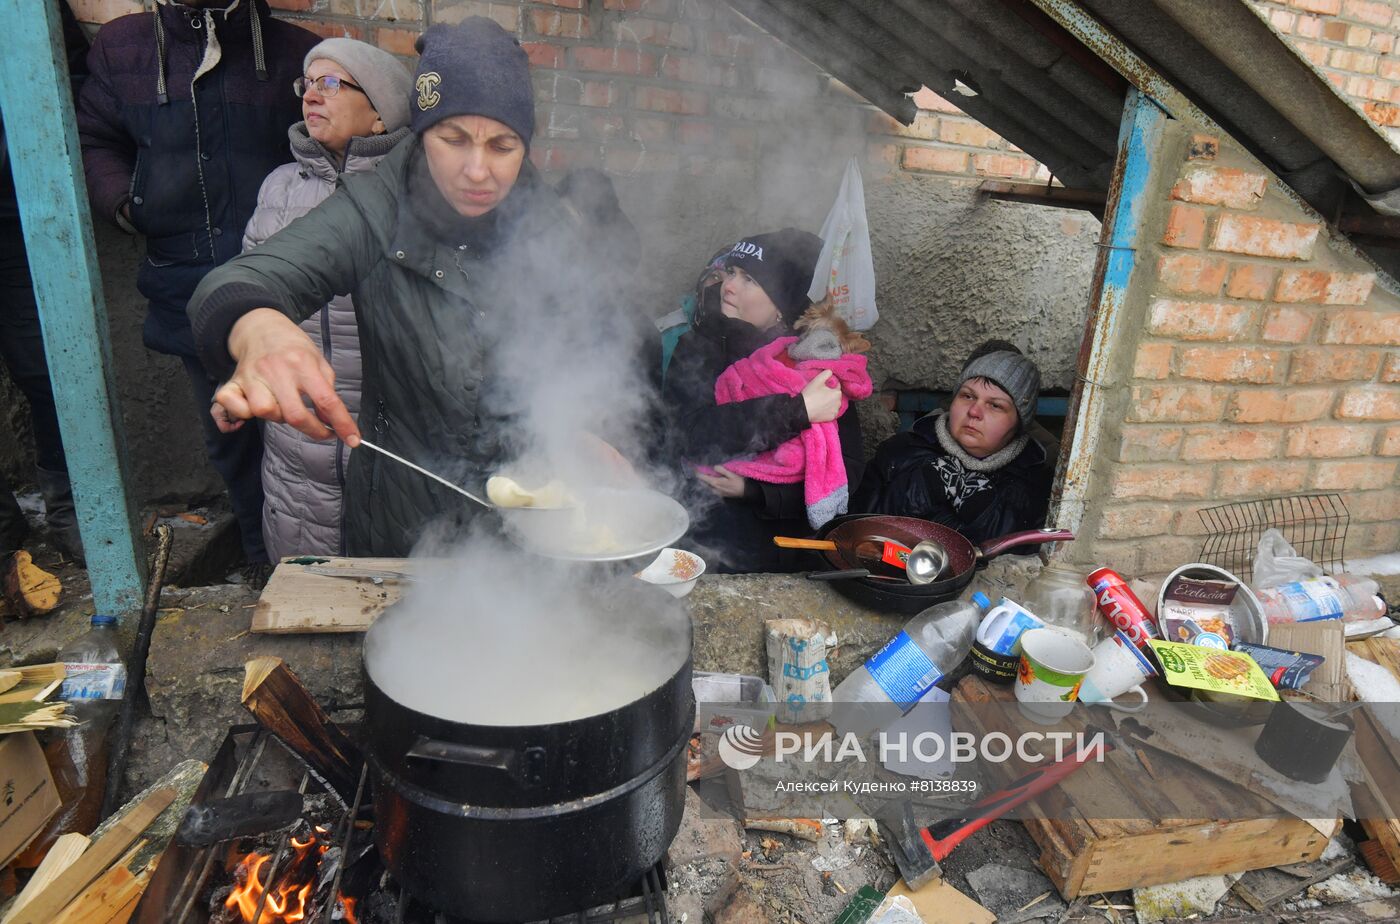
(1212, 670)
(1197, 612)
(797, 668)
(1286, 670)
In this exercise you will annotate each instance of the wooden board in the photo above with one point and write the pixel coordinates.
(1169, 823)
(1326, 637)
(1378, 802)
(940, 903)
(295, 600)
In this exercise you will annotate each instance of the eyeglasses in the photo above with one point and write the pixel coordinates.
(327, 86)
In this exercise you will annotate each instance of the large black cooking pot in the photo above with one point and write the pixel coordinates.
(503, 823)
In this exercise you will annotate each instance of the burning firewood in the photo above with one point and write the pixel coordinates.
(29, 590)
(281, 703)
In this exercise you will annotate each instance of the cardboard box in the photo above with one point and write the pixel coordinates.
(28, 797)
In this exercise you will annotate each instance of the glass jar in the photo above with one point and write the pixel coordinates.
(1059, 596)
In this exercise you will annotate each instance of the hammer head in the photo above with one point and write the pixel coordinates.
(911, 854)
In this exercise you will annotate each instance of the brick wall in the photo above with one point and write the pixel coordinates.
(1354, 43)
(1266, 364)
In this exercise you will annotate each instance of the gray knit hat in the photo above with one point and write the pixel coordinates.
(1012, 373)
(382, 76)
(473, 68)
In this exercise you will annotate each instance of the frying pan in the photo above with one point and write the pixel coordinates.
(963, 558)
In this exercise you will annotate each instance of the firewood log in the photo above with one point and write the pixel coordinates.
(29, 590)
(281, 703)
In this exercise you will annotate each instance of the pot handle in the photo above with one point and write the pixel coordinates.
(525, 767)
(994, 547)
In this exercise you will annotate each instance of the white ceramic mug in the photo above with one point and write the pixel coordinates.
(1053, 665)
(1119, 667)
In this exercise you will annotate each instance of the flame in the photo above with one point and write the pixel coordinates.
(287, 901)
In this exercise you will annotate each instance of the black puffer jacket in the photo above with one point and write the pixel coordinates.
(183, 133)
(433, 294)
(738, 533)
(905, 479)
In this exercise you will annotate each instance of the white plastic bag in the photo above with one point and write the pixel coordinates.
(1278, 563)
(846, 267)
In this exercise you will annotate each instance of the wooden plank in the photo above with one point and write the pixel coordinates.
(102, 900)
(296, 600)
(95, 860)
(280, 702)
(1326, 637)
(64, 852)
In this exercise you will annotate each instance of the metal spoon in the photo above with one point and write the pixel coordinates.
(926, 562)
(444, 482)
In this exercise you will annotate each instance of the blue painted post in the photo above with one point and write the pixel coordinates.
(42, 137)
(1139, 140)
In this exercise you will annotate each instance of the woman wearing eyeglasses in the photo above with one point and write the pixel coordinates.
(450, 241)
(354, 100)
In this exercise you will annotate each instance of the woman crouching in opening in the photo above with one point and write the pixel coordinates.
(762, 417)
(974, 468)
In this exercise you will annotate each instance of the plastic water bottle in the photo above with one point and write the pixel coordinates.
(94, 684)
(908, 665)
(1349, 597)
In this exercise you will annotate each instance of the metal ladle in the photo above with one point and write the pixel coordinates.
(445, 483)
(926, 562)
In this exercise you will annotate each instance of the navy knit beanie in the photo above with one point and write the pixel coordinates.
(782, 263)
(475, 68)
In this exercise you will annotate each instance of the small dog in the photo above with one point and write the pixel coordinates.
(824, 334)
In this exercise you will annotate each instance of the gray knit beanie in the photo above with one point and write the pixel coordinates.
(382, 76)
(474, 68)
(1012, 373)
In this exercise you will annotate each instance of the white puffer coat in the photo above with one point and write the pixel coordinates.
(303, 479)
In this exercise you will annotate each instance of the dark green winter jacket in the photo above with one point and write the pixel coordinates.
(434, 294)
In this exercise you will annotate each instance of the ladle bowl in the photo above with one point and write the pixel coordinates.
(926, 562)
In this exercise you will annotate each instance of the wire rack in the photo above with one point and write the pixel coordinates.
(1314, 524)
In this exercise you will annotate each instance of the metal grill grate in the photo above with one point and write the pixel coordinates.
(1314, 524)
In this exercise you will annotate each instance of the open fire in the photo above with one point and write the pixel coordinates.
(292, 895)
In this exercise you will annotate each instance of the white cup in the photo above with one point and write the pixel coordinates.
(1052, 667)
(1119, 667)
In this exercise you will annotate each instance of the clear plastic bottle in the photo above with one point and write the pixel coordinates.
(907, 666)
(1063, 601)
(93, 685)
(1349, 597)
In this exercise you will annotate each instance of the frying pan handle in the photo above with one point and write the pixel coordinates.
(838, 575)
(525, 767)
(817, 545)
(993, 547)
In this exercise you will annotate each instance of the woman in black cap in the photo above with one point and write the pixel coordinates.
(975, 467)
(450, 240)
(761, 295)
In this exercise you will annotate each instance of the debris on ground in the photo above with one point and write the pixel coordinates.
(1196, 896)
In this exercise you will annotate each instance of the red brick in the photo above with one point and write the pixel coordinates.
(628, 161)
(1250, 280)
(543, 54)
(1148, 444)
(1323, 288)
(1359, 37)
(1325, 7)
(935, 160)
(597, 93)
(654, 7)
(1368, 11)
(1383, 114)
(692, 69)
(1330, 441)
(1282, 21)
(1135, 521)
(1370, 402)
(1383, 43)
(927, 99)
(328, 29)
(1308, 26)
(677, 102)
(1175, 403)
(556, 156)
(1370, 88)
(1186, 226)
(293, 5)
(1162, 482)
(608, 127)
(1189, 274)
(1314, 366)
(882, 155)
(1334, 31)
(1358, 62)
(560, 25)
(728, 44)
(1286, 325)
(614, 60)
(1199, 320)
(1390, 69)
(1264, 237)
(1225, 186)
(695, 133)
(1274, 405)
(654, 32)
(1260, 479)
(1153, 361)
(1007, 165)
(406, 11)
(1391, 372)
(1230, 364)
(397, 41)
(505, 14)
(973, 134)
(1381, 328)
(1315, 53)
(1353, 476)
(1390, 442)
(1227, 444)
(567, 4)
(650, 131)
(1203, 147)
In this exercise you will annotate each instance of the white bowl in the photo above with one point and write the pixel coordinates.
(674, 571)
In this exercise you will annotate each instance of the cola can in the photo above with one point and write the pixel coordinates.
(1120, 606)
